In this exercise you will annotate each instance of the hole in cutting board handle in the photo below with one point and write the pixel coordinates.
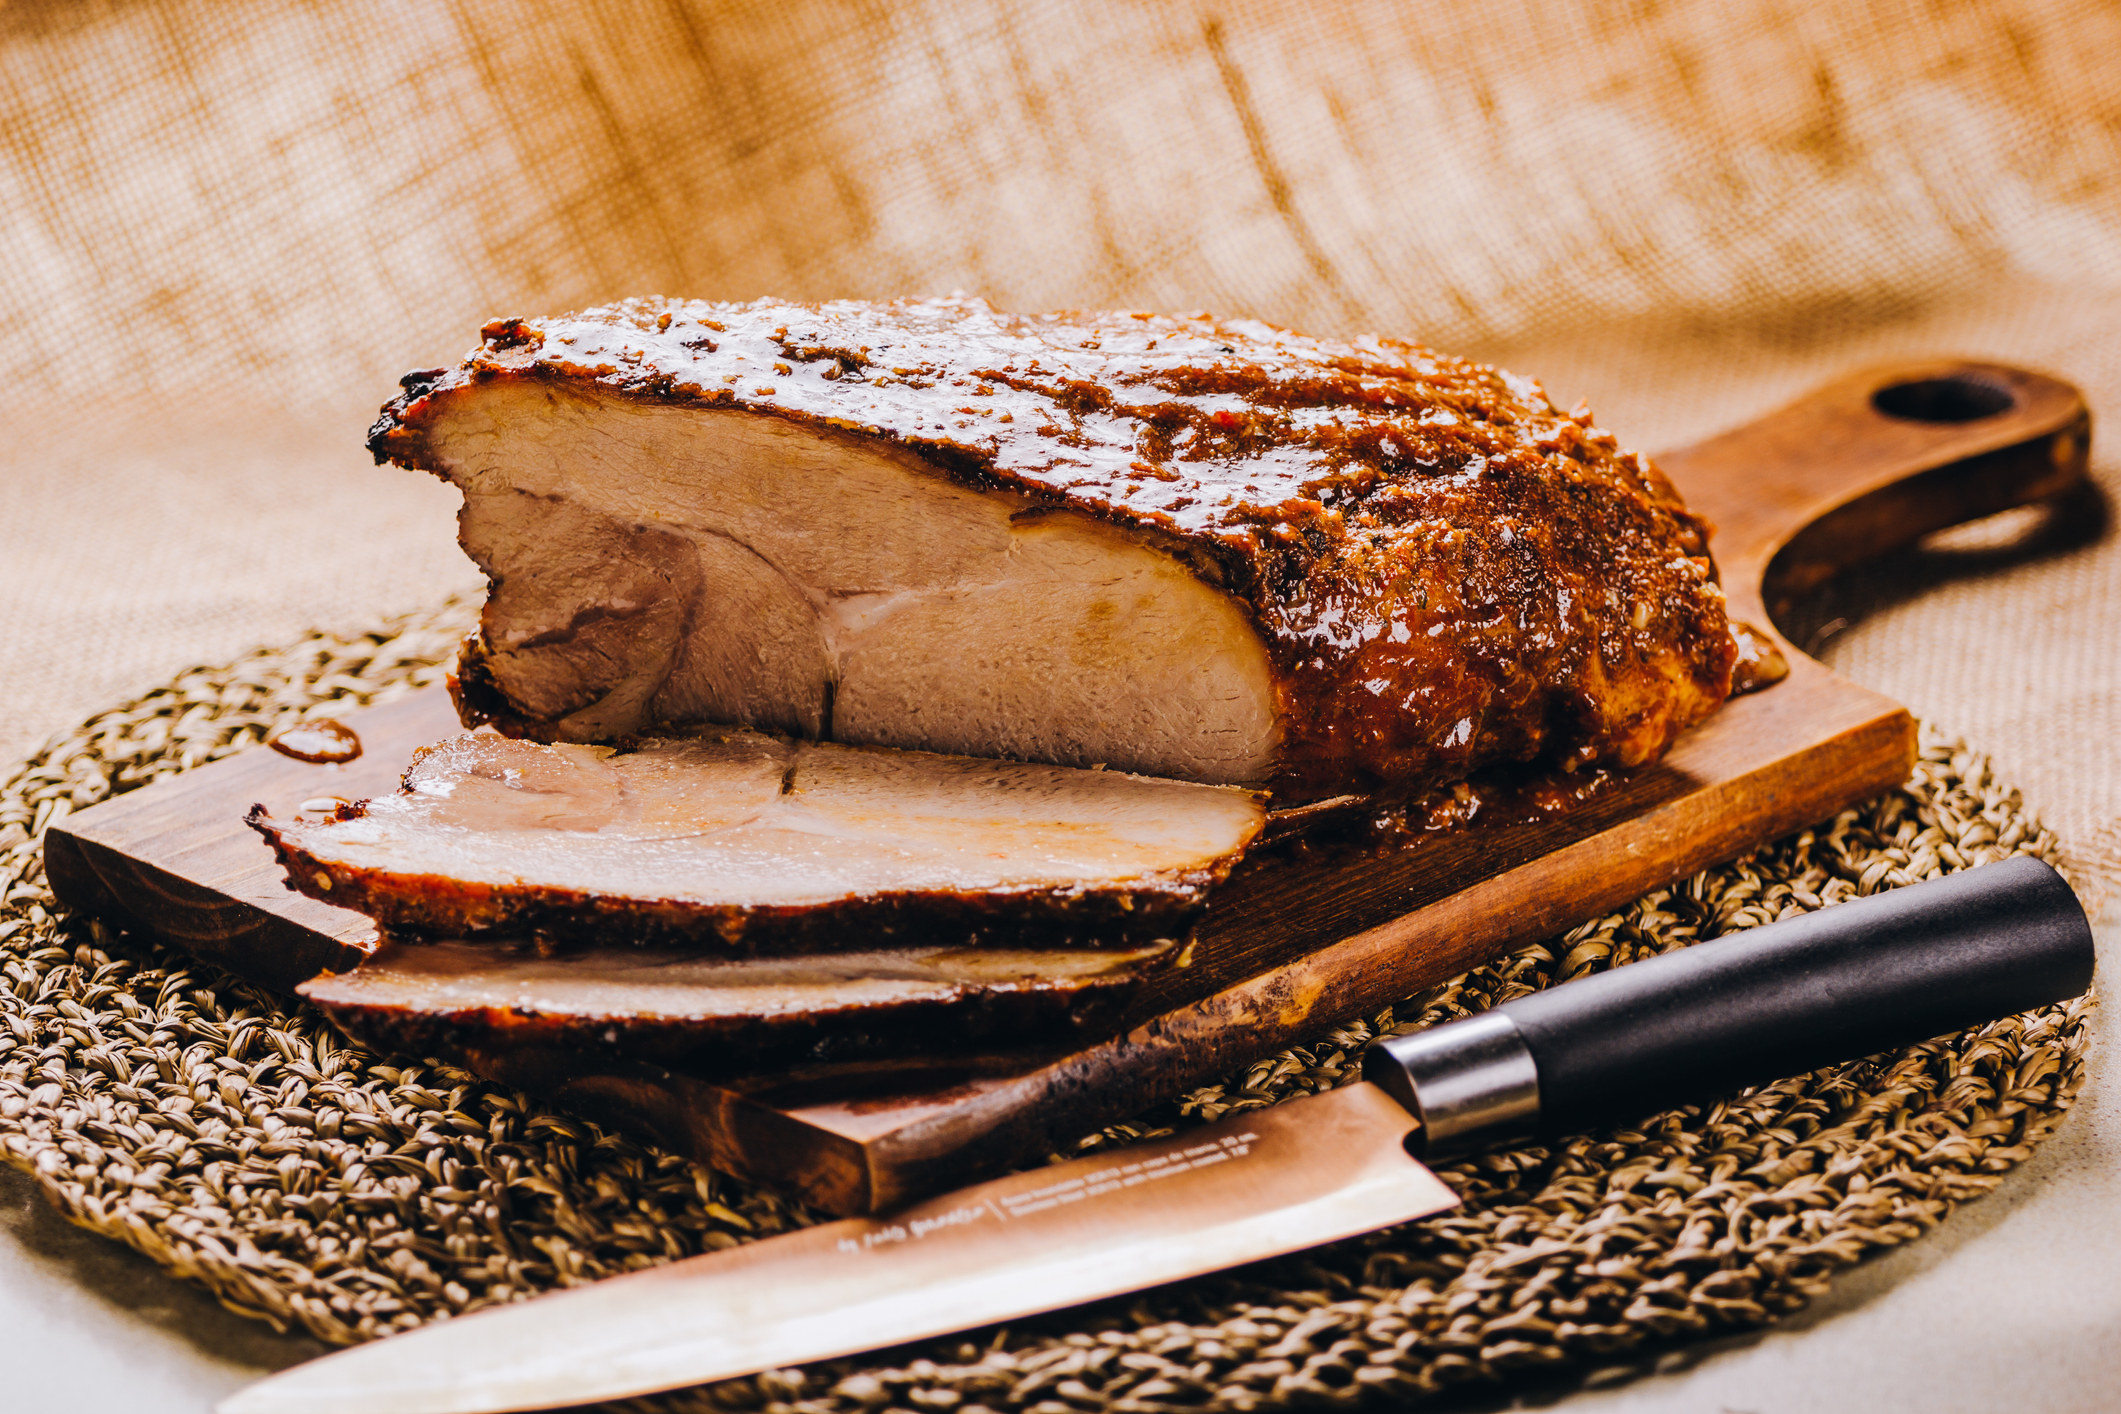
(1959, 398)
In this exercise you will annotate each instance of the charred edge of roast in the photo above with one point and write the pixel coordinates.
(430, 905)
(973, 1021)
(480, 703)
(1016, 1019)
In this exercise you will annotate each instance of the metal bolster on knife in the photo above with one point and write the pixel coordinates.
(1473, 1084)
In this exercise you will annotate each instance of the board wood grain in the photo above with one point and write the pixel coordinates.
(1297, 941)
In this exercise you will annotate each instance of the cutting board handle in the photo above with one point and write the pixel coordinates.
(1873, 461)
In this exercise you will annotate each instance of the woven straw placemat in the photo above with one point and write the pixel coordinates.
(241, 1142)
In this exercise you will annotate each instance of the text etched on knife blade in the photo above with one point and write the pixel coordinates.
(1127, 1175)
(1111, 1179)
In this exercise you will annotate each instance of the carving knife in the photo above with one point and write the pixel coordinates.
(1847, 981)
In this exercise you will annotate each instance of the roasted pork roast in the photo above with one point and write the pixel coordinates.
(741, 843)
(1213, 551)
(730, 1015)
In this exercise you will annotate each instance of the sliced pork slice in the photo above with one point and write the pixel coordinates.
(724, 1015)
(1213, 551)
(743, 843)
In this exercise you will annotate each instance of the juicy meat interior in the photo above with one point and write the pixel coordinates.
(654, 565)
(680, 1008)
(743, 842)
(1215, 551)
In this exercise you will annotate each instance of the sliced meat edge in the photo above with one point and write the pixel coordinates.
(740, 843)
(727, 1016)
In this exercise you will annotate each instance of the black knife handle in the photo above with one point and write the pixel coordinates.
(1847, 981)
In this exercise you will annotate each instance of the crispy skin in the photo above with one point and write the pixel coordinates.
(1445, 571)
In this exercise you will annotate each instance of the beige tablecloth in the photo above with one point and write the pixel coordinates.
(230, 226)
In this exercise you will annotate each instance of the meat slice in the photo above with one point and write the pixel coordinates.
(738, 842)
(729, 1015)
(1213, 551)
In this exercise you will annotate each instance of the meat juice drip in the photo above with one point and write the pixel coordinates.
(1759, 663)
(321, 743)
(1336, 831)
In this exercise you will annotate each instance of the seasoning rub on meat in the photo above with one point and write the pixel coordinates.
(1214, 551)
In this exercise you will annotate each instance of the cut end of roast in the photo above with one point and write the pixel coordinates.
(722, 1016)
(1204, 550)
(656, 565)
(745, 844)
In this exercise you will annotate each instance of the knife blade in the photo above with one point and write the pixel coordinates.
(1848, 981)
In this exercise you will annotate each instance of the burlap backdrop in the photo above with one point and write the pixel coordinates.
(229, 226)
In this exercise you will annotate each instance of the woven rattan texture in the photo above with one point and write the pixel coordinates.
(244, 1144)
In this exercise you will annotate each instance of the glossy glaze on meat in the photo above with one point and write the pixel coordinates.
(1207, 549)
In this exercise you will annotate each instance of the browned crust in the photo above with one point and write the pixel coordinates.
(480, 701)
(969, 1020)
(1447, 570)
(1143, 911)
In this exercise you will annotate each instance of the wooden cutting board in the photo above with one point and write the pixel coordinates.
(1292, 945)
